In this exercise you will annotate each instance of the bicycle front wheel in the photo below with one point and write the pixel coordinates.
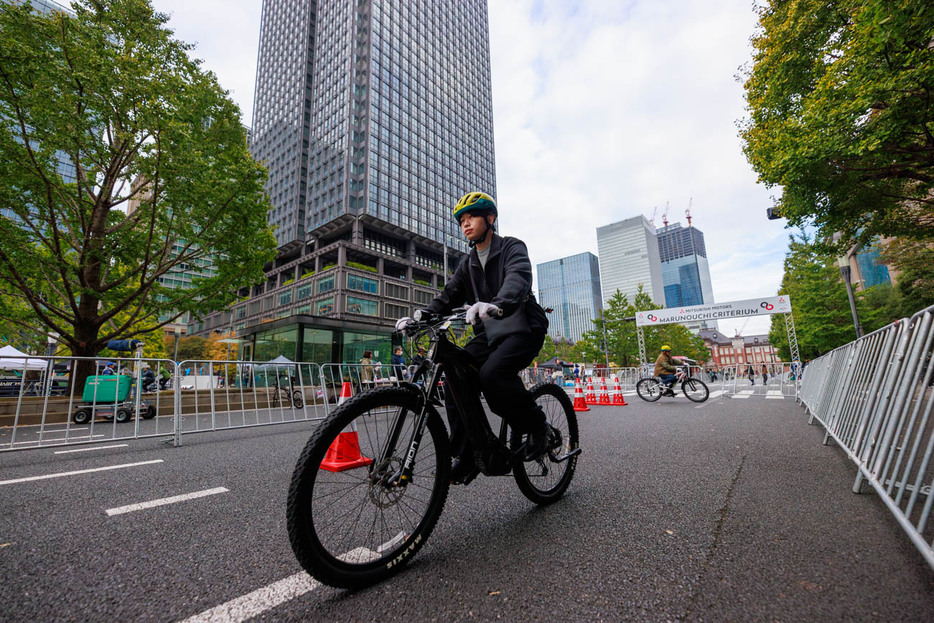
(649, 389)
(298, 399)
(352, 519)
(695, 390)
(545, 480)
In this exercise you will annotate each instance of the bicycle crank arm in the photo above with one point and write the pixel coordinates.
(567, 456)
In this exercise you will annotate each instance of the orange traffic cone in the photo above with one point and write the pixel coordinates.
(344, 452)
(604, 395)
(618, 398)
(579, 403)
(591, 396)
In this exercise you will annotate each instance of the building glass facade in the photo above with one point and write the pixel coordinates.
(628, 252)
(685, 270)
(570, 286)
(373, 117)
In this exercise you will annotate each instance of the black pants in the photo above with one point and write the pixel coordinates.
(505, 393)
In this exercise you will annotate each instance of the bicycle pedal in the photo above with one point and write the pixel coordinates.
(467, 478)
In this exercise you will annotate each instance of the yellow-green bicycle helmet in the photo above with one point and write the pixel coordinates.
(474, 202)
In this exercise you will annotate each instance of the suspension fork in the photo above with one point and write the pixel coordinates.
(418, 431)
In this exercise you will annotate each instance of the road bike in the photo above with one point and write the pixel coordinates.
(372, 480)
(651, 389)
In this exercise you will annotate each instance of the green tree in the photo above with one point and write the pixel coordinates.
(548, 350)
(192, 348)
(841, 111)
(113, 94)
(915, 283)
(820, 307)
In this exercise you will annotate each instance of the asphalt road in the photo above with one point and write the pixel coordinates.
(733, 511)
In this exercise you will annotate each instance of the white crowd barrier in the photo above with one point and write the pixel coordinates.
(40, 407)
(874, 398)
(122, 399)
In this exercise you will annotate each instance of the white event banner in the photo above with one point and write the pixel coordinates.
(715, 311)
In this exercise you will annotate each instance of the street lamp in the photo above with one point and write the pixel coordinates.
(178, 334)
(606, 344)
(844, 264)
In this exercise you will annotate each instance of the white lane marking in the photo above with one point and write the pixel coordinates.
(64, 430)
(45, 439)
(713, 395)
(263, 599)
(119, 445)
(80, 471)
(259, 601)
(774, 394)
(163, 501)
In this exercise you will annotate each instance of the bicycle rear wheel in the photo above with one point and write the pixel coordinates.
(695, 390)
(545, 480)
(649, 389)
(351, 521)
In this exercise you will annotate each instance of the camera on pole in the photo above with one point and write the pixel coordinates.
(774, 214)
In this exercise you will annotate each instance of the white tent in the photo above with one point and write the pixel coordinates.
(12, 359)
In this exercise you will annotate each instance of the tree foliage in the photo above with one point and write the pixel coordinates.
(111, 94)
(841, 114)
(820, 305)
(914, 260)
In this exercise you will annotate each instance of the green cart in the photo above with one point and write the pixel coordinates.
(108, 396)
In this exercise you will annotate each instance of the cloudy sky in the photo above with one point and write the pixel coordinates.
(603, 110)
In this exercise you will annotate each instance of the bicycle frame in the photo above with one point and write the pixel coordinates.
(446, 359)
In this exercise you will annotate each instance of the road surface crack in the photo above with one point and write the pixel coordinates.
(717, 535)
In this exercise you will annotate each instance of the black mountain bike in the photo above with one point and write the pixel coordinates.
(651, 389)
(371, 482)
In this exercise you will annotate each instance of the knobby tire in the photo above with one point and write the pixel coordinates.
(544, 481)
(346, 528)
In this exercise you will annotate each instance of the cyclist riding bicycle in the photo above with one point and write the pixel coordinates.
(665, 370)
(495, 278)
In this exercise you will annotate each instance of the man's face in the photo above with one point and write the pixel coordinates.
(472, 226)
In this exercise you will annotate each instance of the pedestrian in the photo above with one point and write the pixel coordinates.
(397, 361)
(419, 356)
(765, 375)
(366, 369)
(751, 373)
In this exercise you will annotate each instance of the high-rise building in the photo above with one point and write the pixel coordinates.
(570, 287)
(64, 166)
(373, 118)
(629, 257)
(685, 270)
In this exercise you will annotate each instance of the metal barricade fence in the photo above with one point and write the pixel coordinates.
(42, 407)
(217, 395)
(874, 398)
(360, 377)
(734, 380)
(161, 398)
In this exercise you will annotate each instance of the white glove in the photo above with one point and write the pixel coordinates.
(403, 322)
(482, 311)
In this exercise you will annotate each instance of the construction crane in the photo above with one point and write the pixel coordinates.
(654, 214)
(687, 212)
(665, 215)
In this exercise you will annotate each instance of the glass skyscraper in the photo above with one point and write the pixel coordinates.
(570, 286)
(373, 118)
(629, 257)
(685, 270)
(64, 167)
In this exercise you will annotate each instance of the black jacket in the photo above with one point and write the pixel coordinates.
(506, 283)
